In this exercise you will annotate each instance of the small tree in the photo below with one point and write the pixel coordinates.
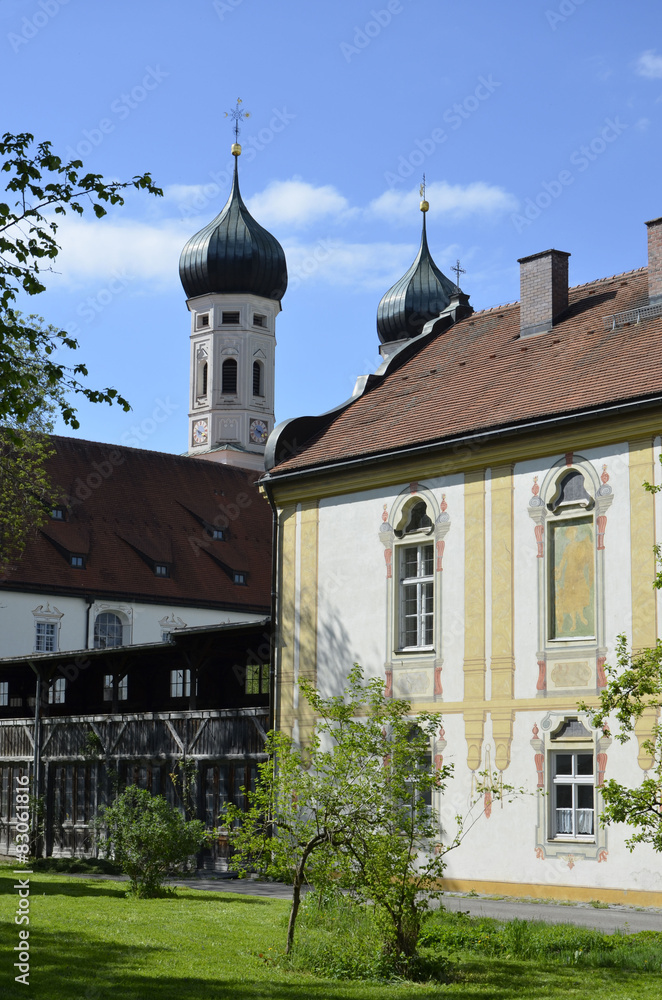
(353, 809)
(634, 687)
(149, 839)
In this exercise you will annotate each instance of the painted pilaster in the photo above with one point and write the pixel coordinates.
(286, 638)
(474, 615)
(308, 611)
(642, 540)
(502, 663)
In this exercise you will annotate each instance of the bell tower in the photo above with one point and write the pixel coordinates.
(234, 274)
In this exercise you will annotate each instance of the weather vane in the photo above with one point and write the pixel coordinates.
(458, 271)
(237, 115)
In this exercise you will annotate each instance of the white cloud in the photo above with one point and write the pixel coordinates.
(649, 64)
(454, 200)
(297, 203)
(93, 251)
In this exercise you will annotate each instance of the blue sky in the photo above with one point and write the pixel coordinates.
(537, 124)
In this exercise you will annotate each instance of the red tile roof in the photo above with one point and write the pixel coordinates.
(480, 375)
(128, 509)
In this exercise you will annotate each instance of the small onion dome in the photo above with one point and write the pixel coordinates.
(420, 295)
(234, 254)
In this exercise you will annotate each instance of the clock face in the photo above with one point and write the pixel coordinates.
(200, 433)
(259, 431)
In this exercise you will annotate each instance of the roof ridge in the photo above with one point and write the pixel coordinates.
(145, 451)
(571, 288)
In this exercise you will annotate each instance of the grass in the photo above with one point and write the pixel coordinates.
(90, 941)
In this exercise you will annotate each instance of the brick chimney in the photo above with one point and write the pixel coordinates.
(655, 261)
(543, 290)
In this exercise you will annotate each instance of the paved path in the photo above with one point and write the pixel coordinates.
(612, 918)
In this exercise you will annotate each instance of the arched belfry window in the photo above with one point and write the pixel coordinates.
(258, 381)
(108, 630)
(229, 377)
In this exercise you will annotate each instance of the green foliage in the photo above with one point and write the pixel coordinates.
(352, 809)
(457, 933)
(634, 688)
(149, 839)
(331, 922)
(81, 866)
(40, 187)
(26, 492)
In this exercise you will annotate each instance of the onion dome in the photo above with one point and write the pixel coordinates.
(234, 254)
(420, 295)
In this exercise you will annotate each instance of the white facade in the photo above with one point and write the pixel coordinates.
(503, 664)
(233, 346)
(73, 621)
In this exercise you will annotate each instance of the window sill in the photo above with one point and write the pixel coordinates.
(413, 650)
(561, 839)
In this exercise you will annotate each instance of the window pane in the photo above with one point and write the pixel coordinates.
(410, 562)
(585, 796)
(584, 763)
(564, 796)
(564, 821)
(563, 763)
(427, 560)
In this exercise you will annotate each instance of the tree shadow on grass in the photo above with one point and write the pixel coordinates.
(64, 887)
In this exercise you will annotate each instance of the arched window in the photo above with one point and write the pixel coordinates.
(108, 630)
(416, 574)
(229, 377)
(258, 388)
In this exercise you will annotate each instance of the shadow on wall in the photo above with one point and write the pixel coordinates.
(335, 655)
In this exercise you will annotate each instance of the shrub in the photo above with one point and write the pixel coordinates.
(149, 839)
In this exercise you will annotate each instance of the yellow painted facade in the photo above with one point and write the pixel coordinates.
(482, 650)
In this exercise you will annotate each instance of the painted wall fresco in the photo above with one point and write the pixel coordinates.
(573, 580)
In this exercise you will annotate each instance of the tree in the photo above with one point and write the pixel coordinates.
(634, 687)
(149, 839)
(26, 492)
(352, 810)
(41, 187)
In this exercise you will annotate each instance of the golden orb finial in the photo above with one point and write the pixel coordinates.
(424, 204)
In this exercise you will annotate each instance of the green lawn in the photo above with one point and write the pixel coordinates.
(90, 942)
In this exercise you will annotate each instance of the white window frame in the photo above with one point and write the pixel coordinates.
(46, 636)
(422, 584)
(180, 683)
(122, 687)
(574, 781)
(4, 694)
(106, 645)
(57, 691)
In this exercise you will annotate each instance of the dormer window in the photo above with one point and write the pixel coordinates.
(57, 514)
(78, 562)
(239, 578)
(202, 321)
(161, 569)
(259, 320)
(230, 319)
(217, 534)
